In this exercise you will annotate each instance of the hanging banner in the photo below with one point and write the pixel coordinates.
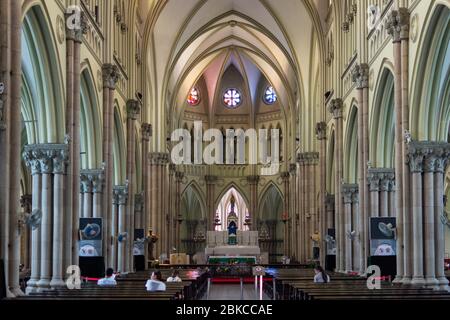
(90, 235)
(383, 236)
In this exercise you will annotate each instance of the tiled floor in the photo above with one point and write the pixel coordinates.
(233, 292)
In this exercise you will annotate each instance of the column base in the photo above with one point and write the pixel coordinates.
(431, 283)
(31, 286)
(57, 283)
(407, 280)
(43, 285)
(418, 281)
(398, 279)
(443, 284)
(16, 292)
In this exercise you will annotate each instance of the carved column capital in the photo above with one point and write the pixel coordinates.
(335, 108)
(111, 75)
(348, 191)
(360, 76)
(133, 109)
(76, 28)
(397, 24)
(179, 176)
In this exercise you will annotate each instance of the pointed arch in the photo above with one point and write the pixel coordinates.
(430, 105)
(351, 146)
(382, 126)
(226, 189)
(90, 123)
(42, 89)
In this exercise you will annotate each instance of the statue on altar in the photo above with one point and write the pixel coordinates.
(232, 222)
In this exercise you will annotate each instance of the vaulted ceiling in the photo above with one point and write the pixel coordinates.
(185, 39)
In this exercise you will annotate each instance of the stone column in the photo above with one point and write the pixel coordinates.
(86, 188)
(335, 108)
(253, 184)
(347, 250)
(110, 74)
(384, 196)
(114, 228)
(47, 219)
(133, 110)
(356, 216)
(415, 160)
(171, 223)
(122, 193)
(374, 178)
(60, 158)
(26, 202)
(157, 163)
(397, 26)
(392, 209)
(31, 158)
(360, 76)
(439, 237)
(98, 181)
(292, 210)
(210, 186)
(5, 135)
(285, 177)
(138, 211)
(301, 209)
(428, 221)
(321, 135)
(146, 133)
(179, 180)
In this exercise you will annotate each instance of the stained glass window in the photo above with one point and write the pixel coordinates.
(194, 97)
(270, 96)
(232, 98)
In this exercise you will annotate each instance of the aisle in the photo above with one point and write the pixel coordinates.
(232, 292)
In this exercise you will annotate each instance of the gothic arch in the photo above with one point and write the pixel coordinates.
(90, 124)
(119, 148)
(382, 130)
(42, 89)
(430, 105)
(351, 146)
(226, 189)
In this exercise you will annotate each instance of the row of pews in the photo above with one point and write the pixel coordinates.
(297, 284)
(132, 287)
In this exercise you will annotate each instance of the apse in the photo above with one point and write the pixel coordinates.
(232, 202)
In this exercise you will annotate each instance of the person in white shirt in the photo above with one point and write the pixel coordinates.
(155, 283)
(109, 280)
(174, 277)
(321, 276)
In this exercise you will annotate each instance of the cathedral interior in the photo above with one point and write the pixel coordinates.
(350, 99)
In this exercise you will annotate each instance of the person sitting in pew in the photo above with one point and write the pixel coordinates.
(321, 276)
(155, 283)
(109, 280)
(174, 277)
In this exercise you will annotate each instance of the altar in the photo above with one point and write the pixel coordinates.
(246, 244)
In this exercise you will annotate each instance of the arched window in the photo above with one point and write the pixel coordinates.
(232, 98)
(270, 96)
(194, 97)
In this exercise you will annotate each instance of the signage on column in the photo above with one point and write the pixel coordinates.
(383, 236)
(90, 234)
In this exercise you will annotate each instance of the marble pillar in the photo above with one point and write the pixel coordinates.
(397, 26)
(360, 76)
(26, 203)
(146, 133)
(133, 111)
(110, 75)
(285, 217)
(335, 108)
(211, 181)
(157, 165)
(428, 162)
(253, 182)
(179, 218)
(347, 197)
(123, 197)
(48, 163)
(321, 135)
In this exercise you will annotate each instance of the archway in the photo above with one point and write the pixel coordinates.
(193, 226)
(232, 202)
(269, 223)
